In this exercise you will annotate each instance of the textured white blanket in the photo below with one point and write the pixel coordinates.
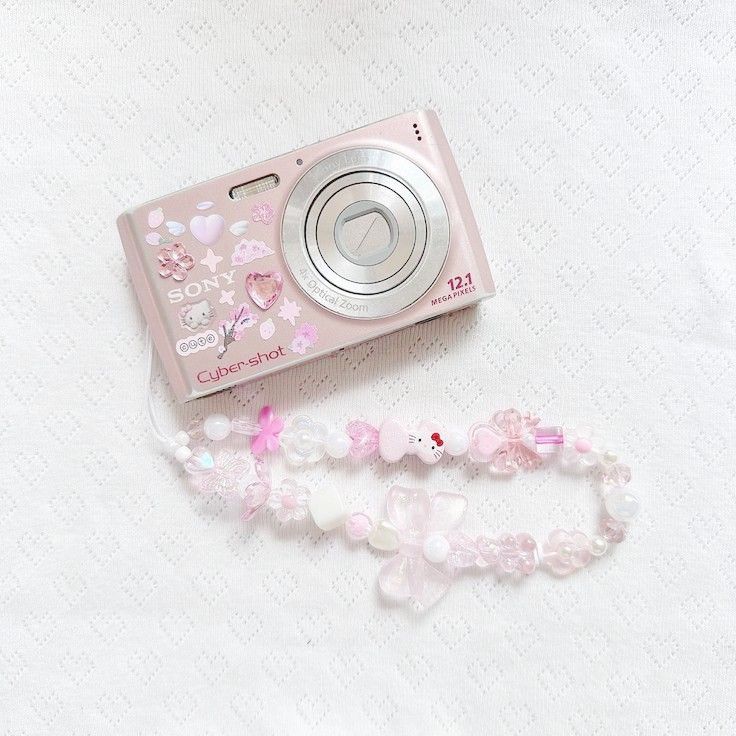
(596, 140)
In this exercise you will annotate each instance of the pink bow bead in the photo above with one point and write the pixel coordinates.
(502, 441)
(271, 427)
(175, 262)
(420, 569)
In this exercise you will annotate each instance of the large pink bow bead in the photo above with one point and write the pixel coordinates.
(420, 569)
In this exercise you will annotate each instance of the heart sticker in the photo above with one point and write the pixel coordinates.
(207, 229)
(264, 288)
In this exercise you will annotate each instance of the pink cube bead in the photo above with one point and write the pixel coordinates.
(549, 440)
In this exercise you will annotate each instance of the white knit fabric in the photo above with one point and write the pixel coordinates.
(595, 138)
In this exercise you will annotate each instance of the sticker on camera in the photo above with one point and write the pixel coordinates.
(249, 250)
(262, 212)
(195, 343)
(305, 338)
(233, 328)
(289, 311)
(196, 316)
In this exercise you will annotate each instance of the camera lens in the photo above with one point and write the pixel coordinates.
(365, 233)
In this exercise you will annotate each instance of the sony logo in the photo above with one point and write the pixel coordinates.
(195, 288)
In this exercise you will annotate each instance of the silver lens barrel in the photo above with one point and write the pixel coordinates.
(365, 233)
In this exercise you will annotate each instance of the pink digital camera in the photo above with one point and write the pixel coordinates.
(305, 254)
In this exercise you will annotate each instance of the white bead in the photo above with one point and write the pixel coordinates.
(182, 453)
(216, 427)
(181, 438)
(456, 442)
(338, 444)
(328, 509)
(436, 548)
(598, 545)
(384, 537)
(622, 506)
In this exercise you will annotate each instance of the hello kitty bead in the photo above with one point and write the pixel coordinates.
(395, 441)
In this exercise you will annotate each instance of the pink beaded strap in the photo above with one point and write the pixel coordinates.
(423, 533)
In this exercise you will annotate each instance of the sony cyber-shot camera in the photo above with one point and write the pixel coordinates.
(305, 254)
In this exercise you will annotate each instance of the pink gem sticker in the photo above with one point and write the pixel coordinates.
(264, 288)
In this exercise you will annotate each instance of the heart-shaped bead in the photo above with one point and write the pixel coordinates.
(207, 229)
(264, 288)
(200, 461)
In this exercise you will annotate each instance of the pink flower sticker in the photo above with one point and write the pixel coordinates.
(262, 212)
(249, 250)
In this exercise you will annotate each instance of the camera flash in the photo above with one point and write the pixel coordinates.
(257, 186)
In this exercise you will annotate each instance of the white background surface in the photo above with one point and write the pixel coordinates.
(596, 141)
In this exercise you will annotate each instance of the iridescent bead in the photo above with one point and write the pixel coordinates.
(622, 506)
(216, 427)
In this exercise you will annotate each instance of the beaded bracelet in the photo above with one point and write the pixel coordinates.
(423, 532)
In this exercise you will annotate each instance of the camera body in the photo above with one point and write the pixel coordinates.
(304, 254)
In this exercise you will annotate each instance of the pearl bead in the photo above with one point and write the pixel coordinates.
(182, 453)
(456, 442)
(598, 545)
(338, 444)
(181, 438)
(216, 427)
(622, 506)
(436, 548)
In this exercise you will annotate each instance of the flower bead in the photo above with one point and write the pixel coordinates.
(304, 441)
(583, 448)
(565, 552)
(270, 427)
(517, 553)
(289, 501)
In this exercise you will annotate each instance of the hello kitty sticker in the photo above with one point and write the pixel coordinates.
(195, 316)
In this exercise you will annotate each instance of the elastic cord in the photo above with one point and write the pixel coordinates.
(160, 434)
